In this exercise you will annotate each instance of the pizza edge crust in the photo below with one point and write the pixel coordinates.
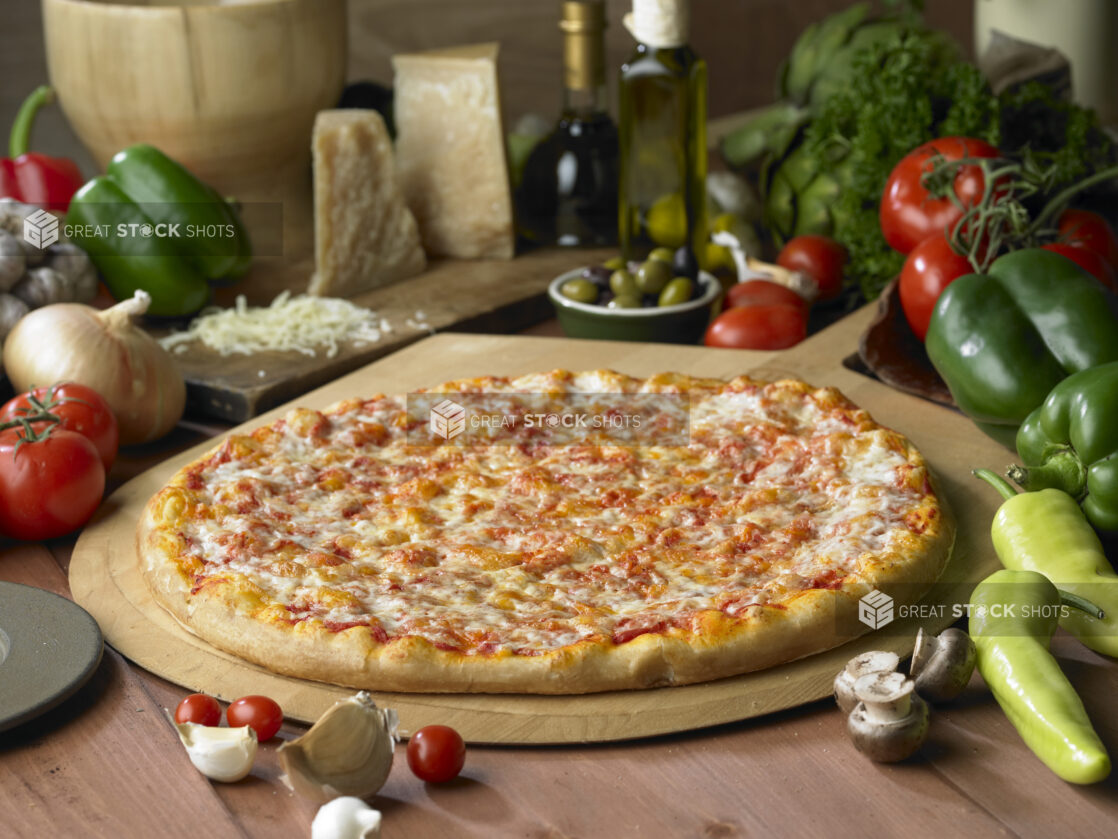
(809, 622)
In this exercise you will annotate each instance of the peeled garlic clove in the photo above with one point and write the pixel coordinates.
(347, 752)
(346, 818)
(223, 754)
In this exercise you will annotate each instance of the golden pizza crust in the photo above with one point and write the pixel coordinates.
(229, 615)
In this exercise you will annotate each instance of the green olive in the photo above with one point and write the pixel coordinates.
(615, 263)
(580, 289)
(677, 291)
(621, 282)
(653, 275)
(662, 254)
(625, 301)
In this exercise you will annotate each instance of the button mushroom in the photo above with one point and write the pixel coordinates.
(942, 664)
(874, 661)
(890, 722)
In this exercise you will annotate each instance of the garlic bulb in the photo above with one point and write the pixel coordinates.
(103, 350)
(347, 752)
(346, 818)
(223, 754)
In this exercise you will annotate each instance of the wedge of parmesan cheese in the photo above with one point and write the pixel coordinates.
(450, 148)
(364, 234)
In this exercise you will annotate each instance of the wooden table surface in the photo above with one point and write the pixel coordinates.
(106, 763)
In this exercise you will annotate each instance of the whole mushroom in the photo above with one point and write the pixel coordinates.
(890, 722)
(863, 664)
(942, 664)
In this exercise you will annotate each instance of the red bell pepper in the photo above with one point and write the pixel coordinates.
(48, 182)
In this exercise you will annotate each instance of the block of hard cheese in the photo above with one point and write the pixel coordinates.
(364, 234)
(450, 151)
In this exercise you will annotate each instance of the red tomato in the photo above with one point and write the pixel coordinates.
(1091, 261)
(199, 708)
(762, 293)
(436, 753)
(48, 486)
(262, 714)
(909, 213)
(820, 258)
(929, 269)
(758, 328)
(1085, 229)
(79, 408)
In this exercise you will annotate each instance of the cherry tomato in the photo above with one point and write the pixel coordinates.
(820, 258)
(199, 708)
(1089, 260)
(929, 269)
(771, 327)
(436, 753)
(79, 408)
(1085, 229)
(49, 484)
(762, 293)
(262, 714)
(909, 214)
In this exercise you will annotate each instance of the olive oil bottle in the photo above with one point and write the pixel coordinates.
(568, 195)
(662, 126)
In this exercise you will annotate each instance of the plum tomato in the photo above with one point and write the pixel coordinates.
(820, 257)
(766, 327)
(436, 753)
(929, 269)
(1085, 229)
(260, 713)
(198, 708)
(762, 293)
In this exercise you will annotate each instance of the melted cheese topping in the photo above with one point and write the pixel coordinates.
(360, 517)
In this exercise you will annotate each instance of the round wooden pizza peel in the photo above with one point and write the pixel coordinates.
(105, 579)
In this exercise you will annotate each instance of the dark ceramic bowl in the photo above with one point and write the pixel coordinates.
(683, 323)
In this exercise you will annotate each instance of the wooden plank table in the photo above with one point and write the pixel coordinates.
(106, 763)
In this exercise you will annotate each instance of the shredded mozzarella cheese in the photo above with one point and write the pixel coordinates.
(303, 324)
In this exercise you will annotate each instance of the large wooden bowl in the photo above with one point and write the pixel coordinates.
(229, 88)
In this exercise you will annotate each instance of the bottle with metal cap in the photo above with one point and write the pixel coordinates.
(568, 194)
(662, 127)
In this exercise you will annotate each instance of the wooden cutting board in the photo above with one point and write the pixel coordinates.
(105, 579)
(480, 295)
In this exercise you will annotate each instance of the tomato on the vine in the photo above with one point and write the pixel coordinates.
(1089, 260)
(261, 714)
(436, 753)
(766, 327)
(820, 257)
(78, 408)
(1085, 229)
(50, 482)
(762, 293)
(198, 708)
(909, 213)
(929, 269)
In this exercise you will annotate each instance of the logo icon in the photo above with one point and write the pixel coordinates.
(448, 419)
(40, 229)
(875, 609)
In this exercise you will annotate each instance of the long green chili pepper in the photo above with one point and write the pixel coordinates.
(1046, 531)
(1012, 617)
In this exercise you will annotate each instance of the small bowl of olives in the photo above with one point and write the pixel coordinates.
(663, 298)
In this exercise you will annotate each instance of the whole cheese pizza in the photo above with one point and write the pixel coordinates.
(683, 530)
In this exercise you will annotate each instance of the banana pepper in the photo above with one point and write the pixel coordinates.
(1002, 340)
(1013, 615)
(1071, 443)
(149, 224)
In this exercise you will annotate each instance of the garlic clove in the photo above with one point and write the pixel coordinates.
(222, 754)
(348, 752)
(346, 818)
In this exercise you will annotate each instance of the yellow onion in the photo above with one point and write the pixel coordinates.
(103, 350)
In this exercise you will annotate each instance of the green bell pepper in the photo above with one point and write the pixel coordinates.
(1046, 532)
(1013, 615)
(1071, 443)
(149, 224)
(1002, 340)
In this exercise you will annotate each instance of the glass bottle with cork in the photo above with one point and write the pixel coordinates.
(662, 125)
(568, 194)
